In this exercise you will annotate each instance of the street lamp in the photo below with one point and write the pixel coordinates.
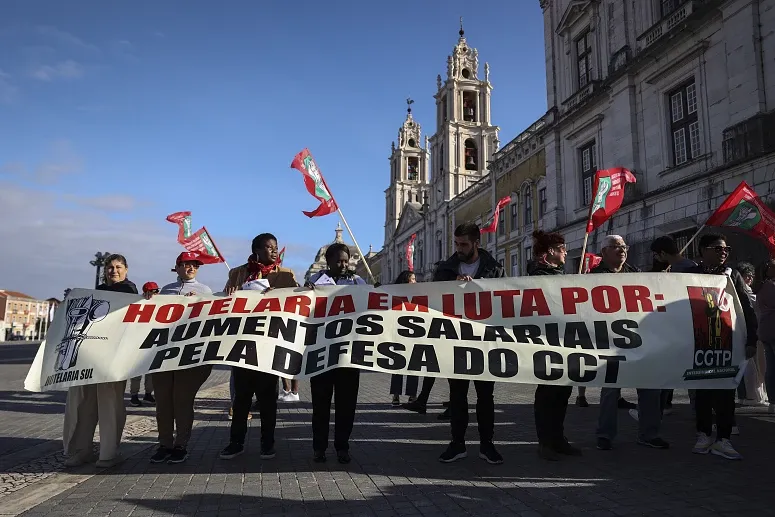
(99, 263)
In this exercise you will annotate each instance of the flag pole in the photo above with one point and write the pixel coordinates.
(363, 257)
(583, 253)
(216, 249)
(691, 240)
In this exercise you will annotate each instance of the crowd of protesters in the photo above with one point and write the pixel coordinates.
(173, 392)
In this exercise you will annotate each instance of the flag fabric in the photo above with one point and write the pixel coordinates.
(280, 257)
(410, 252)
(183, 220)
(744, 210)
(608, 195)
(198, 242)
(591, 261)
(316, 185)
(492, 223)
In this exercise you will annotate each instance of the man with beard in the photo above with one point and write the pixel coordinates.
(470, 262)
(177, 389)
(614, 255)
(261, 273)
(551, 402)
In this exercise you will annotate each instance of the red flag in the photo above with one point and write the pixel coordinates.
(743, 209)
(608, 195)
(410, 252)
(316, 185)
(280, 257)
(591, 261)
(492, 225)
(199, 242)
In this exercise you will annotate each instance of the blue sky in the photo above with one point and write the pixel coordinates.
(115, 114)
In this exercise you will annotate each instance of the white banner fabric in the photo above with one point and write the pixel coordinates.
(631, 330)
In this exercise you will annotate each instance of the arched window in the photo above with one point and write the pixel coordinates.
(527, 203)
(471, 155)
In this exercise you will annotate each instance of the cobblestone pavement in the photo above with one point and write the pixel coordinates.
(395, 469)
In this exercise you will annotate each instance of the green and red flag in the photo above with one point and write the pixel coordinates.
(608, 195)
(280, 257)
(744, 210)
(492, 223)
(199, 242)
(316, 185)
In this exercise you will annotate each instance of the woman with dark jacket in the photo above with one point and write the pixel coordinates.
(551, 402)
(101, 403)
(397, 381)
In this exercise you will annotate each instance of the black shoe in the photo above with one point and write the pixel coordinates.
(135, 401)
(343, 457)
(149, 398)
(445, 404)
(488, 453)
(232, 450)
(656, 443)
(162, 455)
(455, 451)
(178, 455)
(604, 444)
(567, 449)
(267, 453)
(415, 406)
(547, 453)
(582, 402)
(319, 457)
(623, 404)
(396, 401)
(445, 415)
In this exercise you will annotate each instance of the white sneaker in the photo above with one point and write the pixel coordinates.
(724, 449)
(76, 460)
(283, 396)
(292, 397)
(634, 414)
(703, 444)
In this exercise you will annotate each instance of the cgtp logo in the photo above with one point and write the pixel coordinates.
(713, 333)
(80, 314)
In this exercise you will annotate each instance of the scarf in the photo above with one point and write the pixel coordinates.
(258, 270)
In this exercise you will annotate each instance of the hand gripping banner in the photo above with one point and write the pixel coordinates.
(635, 330)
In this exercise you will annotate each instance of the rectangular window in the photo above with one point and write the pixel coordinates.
(584, 58)
(514, 219)
(542, 203)
(681, 238)
(588, 161)
(684, 123)
(528, 204)
(439, 251)
(502, 262)
(413, 169)
(528, 258)
(667, 7)
(502, 221)
(514, 264)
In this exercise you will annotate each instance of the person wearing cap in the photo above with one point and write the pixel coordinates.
(177, 389)
(649, 412)
(134, 383)
(261, 273)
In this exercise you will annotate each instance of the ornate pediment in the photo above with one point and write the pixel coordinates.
(410, 216)
(573, 13)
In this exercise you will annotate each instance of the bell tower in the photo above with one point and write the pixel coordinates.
(408, 171)
(465, 138)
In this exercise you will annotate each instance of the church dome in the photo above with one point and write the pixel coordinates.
(320, 258)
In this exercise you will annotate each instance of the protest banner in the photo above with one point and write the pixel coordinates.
(631, 330)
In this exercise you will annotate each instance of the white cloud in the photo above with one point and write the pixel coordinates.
(47, 248)
(67, 40)
(107, 203)
(68, 69)
(61, 160)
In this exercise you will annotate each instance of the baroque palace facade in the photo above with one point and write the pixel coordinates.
(458, 175)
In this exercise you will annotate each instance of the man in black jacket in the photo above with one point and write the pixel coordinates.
(551, 402)
(649, 412)
(715, 252)
(470, 262)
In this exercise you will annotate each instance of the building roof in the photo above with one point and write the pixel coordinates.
(15, 294)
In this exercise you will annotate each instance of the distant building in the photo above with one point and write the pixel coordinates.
(22, 315)
(374, 259)
(320, 259)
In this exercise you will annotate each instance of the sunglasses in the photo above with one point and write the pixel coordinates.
(720, 249)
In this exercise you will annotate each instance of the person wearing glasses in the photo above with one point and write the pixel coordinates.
(614, 255)
(715, 253)
(177, 389)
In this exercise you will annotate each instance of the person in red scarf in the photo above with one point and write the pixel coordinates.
(262, 272)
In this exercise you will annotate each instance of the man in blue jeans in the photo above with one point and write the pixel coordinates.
(614, 255)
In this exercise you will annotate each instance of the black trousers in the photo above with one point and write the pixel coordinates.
(343, 384)
(551, 404)
(458, 409)
(427, 386)
(397, 381)
(720, 401)
(264, 386)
